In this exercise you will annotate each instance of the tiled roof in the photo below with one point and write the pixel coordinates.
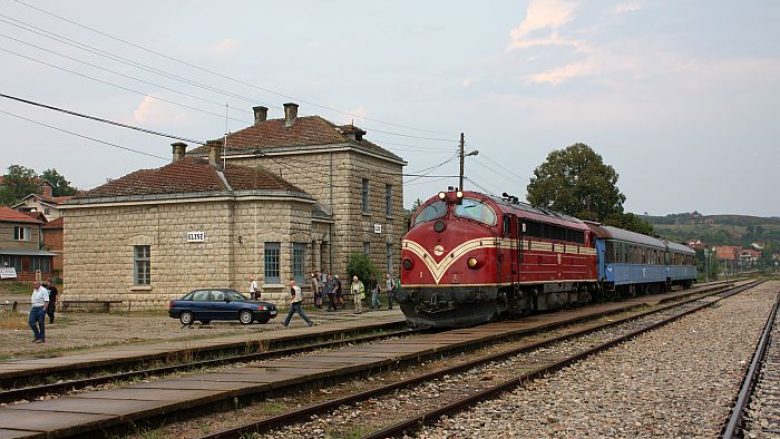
(9, 215)
(189, 175)
(305, 131)
(55, 224)
(37, 215)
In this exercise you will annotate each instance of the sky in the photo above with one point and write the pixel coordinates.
(681, 97)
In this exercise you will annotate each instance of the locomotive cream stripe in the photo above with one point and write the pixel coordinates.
(437, 269)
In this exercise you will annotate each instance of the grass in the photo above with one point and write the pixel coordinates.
(15, 288)
(13, 321)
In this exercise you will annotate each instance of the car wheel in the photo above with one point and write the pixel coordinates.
(186, 318)
(205, 322)
(263, 319)
(245, 317)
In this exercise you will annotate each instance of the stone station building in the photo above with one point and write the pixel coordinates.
(286, 197)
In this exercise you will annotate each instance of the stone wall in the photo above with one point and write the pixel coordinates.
(99, 243)
(335, 180)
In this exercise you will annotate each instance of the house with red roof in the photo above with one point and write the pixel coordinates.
(22, 254)
(43, 202)
(280, 199)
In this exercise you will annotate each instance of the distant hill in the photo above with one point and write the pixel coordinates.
(716, 229)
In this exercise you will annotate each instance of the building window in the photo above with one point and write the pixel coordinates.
(389, 199)
(42, 263)
(46, 211)
(272, 252)
(390, 258)
(364, 195)
(11, 261)
(21, 233)
(299, 256)
(143, 264)
(366, 248)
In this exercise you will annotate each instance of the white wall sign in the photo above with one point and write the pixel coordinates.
(7, 273)
(196, 236)
(377, 228)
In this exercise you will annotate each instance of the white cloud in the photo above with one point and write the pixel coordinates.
(625, 8)
(355, 116)
(560, 74)
(225, 47)
(542, 15)
(153, 111)
(466, 83)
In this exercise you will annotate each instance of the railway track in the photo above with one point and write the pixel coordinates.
(756, 410)
(459, 386)
(63, 386)
(147, 404)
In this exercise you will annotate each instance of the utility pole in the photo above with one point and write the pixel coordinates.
(462, 159)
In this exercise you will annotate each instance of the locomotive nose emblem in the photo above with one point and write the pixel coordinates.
(438, 250)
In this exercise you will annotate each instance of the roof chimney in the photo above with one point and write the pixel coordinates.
(215, 153)
(179, 149)
(290, 113)
(261, 114)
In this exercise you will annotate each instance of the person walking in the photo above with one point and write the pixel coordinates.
(358, 291)
(254, 289)
(390, 287)
(316, 288)
(296, 305)
(373, 286)
(330, 287)
(338, 292)
(37, 319)
(52, 306)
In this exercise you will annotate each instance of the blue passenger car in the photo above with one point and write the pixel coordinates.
(680, 264)
(629, 262)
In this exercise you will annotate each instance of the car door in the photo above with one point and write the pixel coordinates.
(221, 308)
(201, 305)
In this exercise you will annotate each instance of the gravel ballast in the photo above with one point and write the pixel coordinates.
(678, 381)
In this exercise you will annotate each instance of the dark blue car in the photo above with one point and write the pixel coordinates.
(209, 304)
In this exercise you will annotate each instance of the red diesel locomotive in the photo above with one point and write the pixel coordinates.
(469, 257)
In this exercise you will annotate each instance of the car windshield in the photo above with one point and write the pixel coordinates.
(437, 209)
(476, 210)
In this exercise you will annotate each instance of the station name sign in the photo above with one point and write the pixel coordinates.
(196, 236)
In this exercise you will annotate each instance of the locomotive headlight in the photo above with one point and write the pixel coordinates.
(442, 195)
(459, 194)
(407, 264)
(472, 262)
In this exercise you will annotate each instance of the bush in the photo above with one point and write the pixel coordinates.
(359, 264)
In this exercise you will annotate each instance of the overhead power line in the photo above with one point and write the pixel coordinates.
(100, 119)
(114, 145)
(230, 78)
(102, 81)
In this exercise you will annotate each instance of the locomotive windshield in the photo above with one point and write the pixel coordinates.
(476, 210)
(437, 209)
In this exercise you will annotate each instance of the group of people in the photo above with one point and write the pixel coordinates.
(358, 290)
(330, 286)
(42, 302)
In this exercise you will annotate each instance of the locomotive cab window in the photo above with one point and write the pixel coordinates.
(437, 209)
(476, 210)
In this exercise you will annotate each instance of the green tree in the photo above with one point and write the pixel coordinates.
(577, 182)
(409, 212)
(360, 264)
(18, 183)
(60, 184)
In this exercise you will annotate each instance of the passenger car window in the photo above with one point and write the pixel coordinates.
(200, 296)
(234, 296)
(218, 296)
(437, 209)
(476, 210)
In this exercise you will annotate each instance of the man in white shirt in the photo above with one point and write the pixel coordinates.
(296, 305)
(37, 319)
(254, 290)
